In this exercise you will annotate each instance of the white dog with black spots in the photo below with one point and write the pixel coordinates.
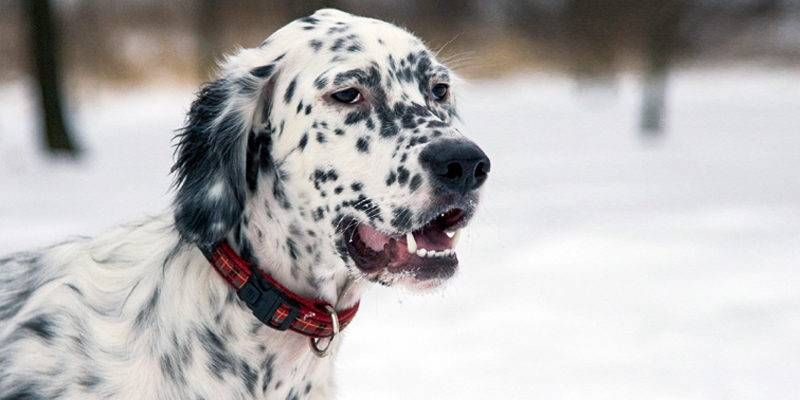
(330, 157)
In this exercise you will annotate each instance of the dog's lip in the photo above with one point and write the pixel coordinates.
(430, 255)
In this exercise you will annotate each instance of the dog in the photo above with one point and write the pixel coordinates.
(325, 160)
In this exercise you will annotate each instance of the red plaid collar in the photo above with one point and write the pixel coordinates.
(272, 303)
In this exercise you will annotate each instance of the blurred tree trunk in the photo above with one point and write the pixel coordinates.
(591, 30)
(209, 20)
(46, 69)
(660, 47)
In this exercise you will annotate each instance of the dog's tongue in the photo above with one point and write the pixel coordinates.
(372, 238)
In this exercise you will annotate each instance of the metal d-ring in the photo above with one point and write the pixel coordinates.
(314, 342)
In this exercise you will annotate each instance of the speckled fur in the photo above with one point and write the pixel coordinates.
(268, 162)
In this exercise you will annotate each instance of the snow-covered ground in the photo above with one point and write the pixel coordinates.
(601, 266)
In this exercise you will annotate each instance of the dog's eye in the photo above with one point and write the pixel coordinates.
(347, 96)
(439, 91)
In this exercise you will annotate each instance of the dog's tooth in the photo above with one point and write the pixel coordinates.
(456, 236)
(450, 233)
(422, 252)
(411, 243)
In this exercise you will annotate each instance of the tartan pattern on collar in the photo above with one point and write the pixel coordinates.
(271, 302)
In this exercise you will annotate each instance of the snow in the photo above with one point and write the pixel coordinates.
(602, 265)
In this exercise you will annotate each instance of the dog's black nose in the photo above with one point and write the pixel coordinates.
(456, 164)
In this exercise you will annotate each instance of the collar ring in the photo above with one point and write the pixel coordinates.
(314, 342)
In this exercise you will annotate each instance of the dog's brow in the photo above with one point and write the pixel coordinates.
(356, 75)
(441, 72)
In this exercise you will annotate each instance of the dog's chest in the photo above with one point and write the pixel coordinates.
(253, 363)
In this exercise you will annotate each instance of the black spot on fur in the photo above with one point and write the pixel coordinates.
(391, 178)
(308, 109)
(263, 71)
(303, 141)
(315, 44)
(402, 175)
(22, 391)
(321, 137)
(249, 377)
(402, 219)
(268, 368)
(287, 96)
(416, 181)
(146, 315)
(41, 326)
(320, 82)
(355, 117)
(356, 186)
(365, 204)
(363, 144)
(89, 381)
(291, 247)
(220, 360)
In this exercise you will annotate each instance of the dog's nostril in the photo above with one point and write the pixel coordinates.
(480, 170)
(454, 171)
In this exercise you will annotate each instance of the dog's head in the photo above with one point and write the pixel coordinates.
(342, 128)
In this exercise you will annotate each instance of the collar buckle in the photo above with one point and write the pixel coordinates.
(263, 300)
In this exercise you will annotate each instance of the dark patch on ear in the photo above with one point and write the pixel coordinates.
(209, 167)
(258, 158)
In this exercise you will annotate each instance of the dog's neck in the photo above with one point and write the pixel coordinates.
(304, 260)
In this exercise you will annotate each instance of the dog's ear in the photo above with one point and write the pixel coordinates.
(210, 153)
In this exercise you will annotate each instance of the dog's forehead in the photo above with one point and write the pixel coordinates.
(332, 40)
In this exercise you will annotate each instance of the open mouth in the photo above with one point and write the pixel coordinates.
(424, 253)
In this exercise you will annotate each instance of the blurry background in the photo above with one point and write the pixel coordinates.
(640, 234)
